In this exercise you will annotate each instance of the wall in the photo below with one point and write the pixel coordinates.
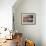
(32, 32)
(6, 13)
(43, 22)
(6, 16)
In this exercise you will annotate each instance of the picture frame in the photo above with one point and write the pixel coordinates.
(28, 18)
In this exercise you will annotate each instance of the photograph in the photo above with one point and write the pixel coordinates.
(28, 18)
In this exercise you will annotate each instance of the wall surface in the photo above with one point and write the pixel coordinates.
(32, 32)
(6, 16)
(6, 13)
(43, 22)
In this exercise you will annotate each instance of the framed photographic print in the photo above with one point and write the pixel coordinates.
(28, 18)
